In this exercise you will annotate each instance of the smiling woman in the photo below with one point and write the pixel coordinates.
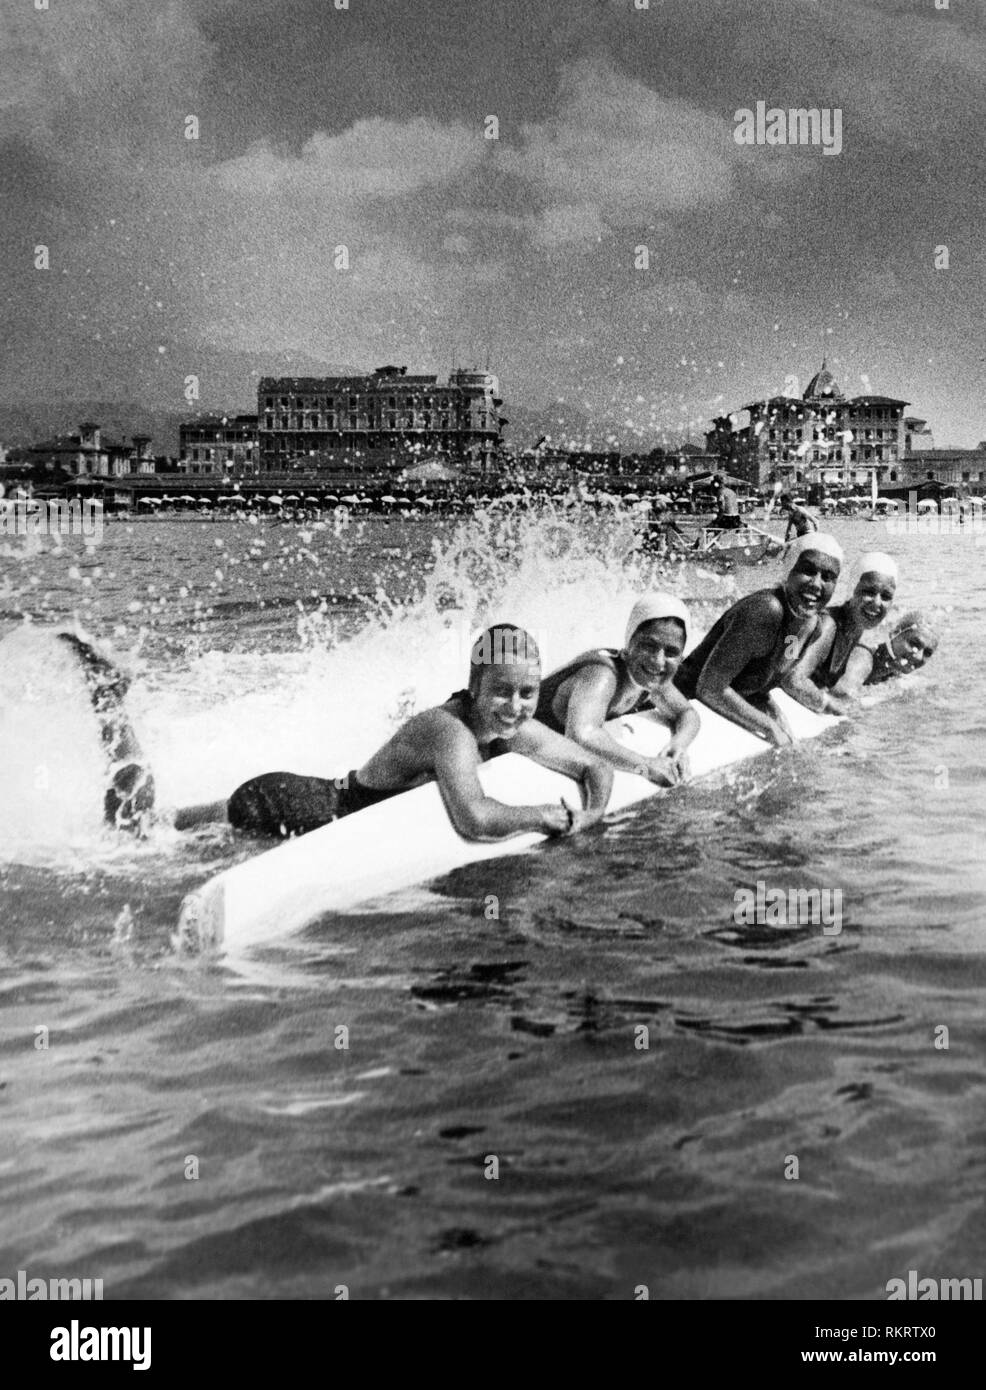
(841, 632)
(756, 643)
(444, 745)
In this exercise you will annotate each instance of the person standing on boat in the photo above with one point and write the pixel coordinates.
(799, 523)
(601, 684)
(728, 516)
(754, 645)
(842, 630)
(493, 715)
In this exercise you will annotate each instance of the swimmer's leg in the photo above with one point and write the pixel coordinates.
(129, 798)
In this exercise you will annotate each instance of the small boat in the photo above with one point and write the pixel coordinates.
(725, 549)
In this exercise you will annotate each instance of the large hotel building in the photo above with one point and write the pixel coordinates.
(820, 437)
(378, 423)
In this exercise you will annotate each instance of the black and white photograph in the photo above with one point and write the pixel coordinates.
(492, 555)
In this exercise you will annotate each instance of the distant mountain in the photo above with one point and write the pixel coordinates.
(34, 422)
(566, 426)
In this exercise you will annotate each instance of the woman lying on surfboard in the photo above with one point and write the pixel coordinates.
(756, 643)
(843, 630)
(601, 684)
(445, 744)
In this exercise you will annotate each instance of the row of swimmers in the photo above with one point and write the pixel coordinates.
(786, 637)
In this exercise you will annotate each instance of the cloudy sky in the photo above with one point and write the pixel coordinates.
(365, 127)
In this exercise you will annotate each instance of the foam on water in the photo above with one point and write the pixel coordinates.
(326, 706)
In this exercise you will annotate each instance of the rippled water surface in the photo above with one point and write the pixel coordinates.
(517, 1038)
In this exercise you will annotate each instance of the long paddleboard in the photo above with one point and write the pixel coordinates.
(410, 840)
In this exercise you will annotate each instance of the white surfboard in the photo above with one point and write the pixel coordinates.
(410, 840)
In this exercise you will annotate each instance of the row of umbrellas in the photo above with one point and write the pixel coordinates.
(277, 501)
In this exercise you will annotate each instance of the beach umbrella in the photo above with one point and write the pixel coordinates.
(167, 498)
(388, 499)
(274, 500)
(330, 497)
(631, 497)
(350, 499)
(403, 501)
(312, 499)
(292, 497)
(927, 505)
(148, 501)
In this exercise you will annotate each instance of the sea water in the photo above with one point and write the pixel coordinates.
(568, 1074)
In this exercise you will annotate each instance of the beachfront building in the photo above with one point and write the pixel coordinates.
(219, 444)
(88, 455)
(819, 438)
(917, 435)
(378, 423)
(962, 471)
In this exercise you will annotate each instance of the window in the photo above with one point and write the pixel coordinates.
(269, 403)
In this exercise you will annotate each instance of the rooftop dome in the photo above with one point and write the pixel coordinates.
(822, 384)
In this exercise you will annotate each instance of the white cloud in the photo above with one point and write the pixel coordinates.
(373, 158)
(616, 144)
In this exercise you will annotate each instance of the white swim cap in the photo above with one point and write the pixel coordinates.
(874, 562)
(820, 541)
(652, 606)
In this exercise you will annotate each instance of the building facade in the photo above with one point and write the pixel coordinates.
(218, 444)
(88, 455)
(378, 423)
(960, 470)
(821, 437)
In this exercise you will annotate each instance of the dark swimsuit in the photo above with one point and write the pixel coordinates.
(885, 666)
(757, 677)
(608, 657)
(830, 671)
(284, 803)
